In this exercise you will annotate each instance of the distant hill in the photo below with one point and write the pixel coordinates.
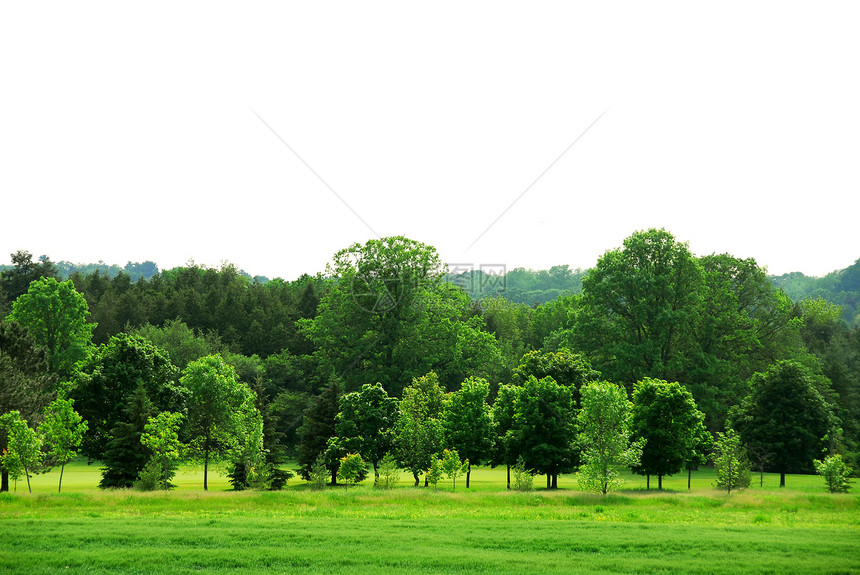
(841, 287)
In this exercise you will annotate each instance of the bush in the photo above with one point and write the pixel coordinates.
(523, 478)
(835, 473)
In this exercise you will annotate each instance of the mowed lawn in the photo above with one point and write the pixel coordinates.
(800, 529)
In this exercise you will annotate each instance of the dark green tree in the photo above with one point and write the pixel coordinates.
(666, 418)
(543, 428)
(123, 455)
(505, 451)
(318, 426)
(15, 281)
(365, 423)
(785, 415)
(103, 386)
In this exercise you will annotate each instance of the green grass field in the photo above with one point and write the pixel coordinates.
(800, 529)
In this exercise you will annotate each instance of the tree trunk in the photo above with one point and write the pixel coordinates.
(509, 479)
(689, 476)
(548, 480)
(660, 483)
(426, 481)
(648, 482)
(375, 473)
(415, 475)
(4, 483)
(782, 478)
(555, 480)
(761, 477)
(60, 487)
(27, 473)
(468, 474)
(206, 469)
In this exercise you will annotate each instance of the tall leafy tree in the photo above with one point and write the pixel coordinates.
(730, 462)
(665, 416)
(103, 386)
(390, 318)
(604, 435)
(639, 309)
(468, 423)
(25, 383)
(218, 407)
(419, 434)
(543, 428)
(365, 423)
(62, 430)
(56, 315)
(505, 451)
(785, 415)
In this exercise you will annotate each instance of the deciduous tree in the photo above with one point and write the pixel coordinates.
(604, 436)
(468, 422)
(62, 430)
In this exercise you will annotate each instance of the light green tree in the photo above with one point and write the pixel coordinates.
(452, 466)
(352, 468)
(23, 447)
(435, 473)
(62, 430)
(389, 473)
(835, 472)
(56, 315)
(218, 410)
(318, 473)
(604, 436)
(161, 437)
(730, 462)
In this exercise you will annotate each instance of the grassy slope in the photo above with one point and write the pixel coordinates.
(485, 530)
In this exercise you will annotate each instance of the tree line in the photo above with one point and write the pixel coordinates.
(383, 317)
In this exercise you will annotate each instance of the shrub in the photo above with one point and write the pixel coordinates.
(318, 474)
(389, 473)
(835, 473)
(151, 476)
(523, 478)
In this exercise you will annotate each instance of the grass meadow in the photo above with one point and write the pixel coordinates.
(486, 529)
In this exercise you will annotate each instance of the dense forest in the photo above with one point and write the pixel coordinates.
(389, 344)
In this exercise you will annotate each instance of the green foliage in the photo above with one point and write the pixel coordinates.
(542, 431)
(389, 473)
(180, 342)
(124, 456)
(419, 434)
(318, 427)
(785, 415)
(365, 423)
(62, 430)
(835, 472)
(23, 446)
(639, 308)
(222, 419)
(452, 466)
(391, 318)
(564, 366)
(105, 382)
(161, 437)
(468, 422)
(731, 463)
(15, 281)
(56, 316)
(603, 428)
(523, 477)
(666, 419)
(151, 477)
(435, 473)
(352, 468)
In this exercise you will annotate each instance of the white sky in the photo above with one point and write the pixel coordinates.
(132, 133)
